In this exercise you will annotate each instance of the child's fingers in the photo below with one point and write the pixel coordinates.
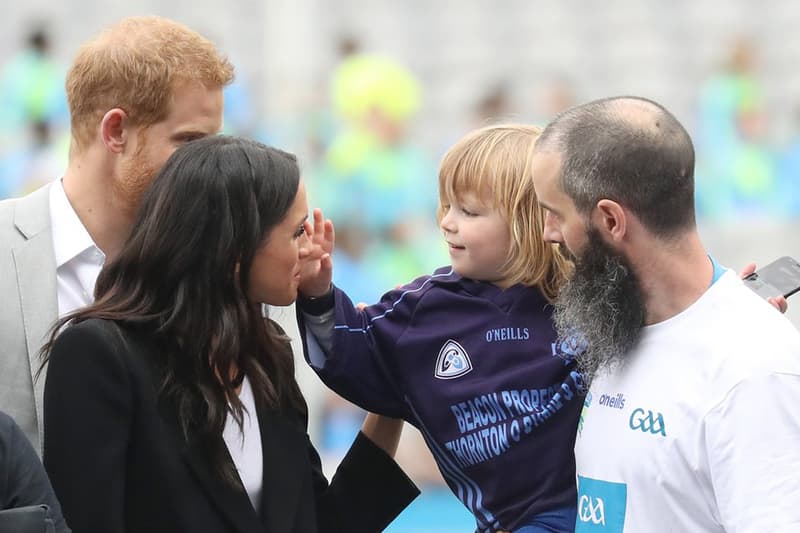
(326, 263)
(319, 222)
(330, 234)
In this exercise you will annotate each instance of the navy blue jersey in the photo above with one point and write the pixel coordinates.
(479, 371)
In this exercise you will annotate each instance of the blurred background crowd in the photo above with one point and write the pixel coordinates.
(370, 95)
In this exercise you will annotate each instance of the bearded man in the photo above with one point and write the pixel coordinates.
(691, 420)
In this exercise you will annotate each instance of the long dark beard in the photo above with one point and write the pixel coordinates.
(601, 304)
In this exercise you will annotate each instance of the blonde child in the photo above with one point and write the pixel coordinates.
(468, 354)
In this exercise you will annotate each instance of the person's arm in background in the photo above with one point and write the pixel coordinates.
(23, 480)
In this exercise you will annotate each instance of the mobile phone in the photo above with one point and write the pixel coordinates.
(779, 278)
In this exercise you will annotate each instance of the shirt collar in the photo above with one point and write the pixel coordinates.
(70, 237)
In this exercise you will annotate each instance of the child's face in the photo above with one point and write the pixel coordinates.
(478, 238)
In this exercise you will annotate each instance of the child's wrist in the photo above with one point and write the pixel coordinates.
(316, 305)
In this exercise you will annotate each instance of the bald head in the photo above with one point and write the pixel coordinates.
(630, 150)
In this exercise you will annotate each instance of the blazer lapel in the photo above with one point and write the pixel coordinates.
(285, 458)
(35, 264)
(284, 449)
(233, 504)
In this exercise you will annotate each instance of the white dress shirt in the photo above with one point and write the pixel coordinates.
(78, 259)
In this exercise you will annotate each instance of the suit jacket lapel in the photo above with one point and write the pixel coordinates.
(35, 264)
(285, 458)
(233, 504)
(284, 448)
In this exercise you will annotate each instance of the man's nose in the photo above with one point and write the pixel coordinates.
(551, 232)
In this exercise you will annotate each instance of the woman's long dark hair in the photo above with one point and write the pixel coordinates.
(182, 276)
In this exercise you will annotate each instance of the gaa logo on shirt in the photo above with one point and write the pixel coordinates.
(452, 362)
(592, 510)
(601, 506)
(647, 422)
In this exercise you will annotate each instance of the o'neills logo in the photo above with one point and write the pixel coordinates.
(617, 402)
(507, 334)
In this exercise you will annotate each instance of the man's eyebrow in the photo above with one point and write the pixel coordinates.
(547, 207)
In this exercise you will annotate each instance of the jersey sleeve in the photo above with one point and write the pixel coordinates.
(753, 449)
(357, 356)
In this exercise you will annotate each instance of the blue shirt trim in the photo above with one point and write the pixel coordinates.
(719, 270)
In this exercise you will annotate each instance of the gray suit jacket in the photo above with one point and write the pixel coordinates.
(29, 306)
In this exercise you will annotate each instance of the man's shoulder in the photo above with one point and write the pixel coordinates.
(8, 207)
(748, 335)
(25, 215)
(748, 315)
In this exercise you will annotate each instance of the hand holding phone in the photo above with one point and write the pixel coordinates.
(779, 278)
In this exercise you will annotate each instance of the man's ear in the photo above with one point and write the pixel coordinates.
(610, 219)
(114, 129)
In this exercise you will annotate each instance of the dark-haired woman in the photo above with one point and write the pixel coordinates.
(170, 403)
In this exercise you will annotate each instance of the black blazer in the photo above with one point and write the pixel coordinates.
(118, 462)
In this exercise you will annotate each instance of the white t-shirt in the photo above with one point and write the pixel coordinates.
(700, 430)
(245, 448)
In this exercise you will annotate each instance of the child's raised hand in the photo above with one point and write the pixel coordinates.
(317, 268)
